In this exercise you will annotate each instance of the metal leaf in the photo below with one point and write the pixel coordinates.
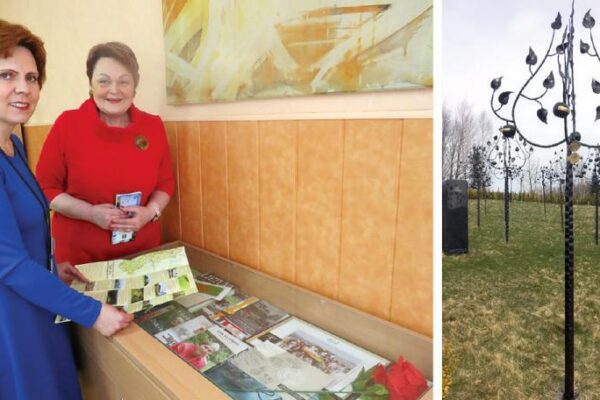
(574, 158)
(557, 22)
(597, 113)
(560, 49)
(503, 98)
(588, 20)
(595, 86)
(542, 114)
(583, 47)
(549, 81)
(496, 83)
(531, 58)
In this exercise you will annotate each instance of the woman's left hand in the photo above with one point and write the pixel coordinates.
(140, 216)
(67, 272)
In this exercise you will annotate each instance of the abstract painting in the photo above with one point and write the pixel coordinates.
(227, 50)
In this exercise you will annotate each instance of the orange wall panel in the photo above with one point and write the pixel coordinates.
(170, 227)
(369, 211)
(277, 149)
(412, 287)
(319, 209)
(242, 171)
(214, 187)
(33, 139)
(190, 182)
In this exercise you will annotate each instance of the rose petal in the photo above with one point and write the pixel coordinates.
(404, 381)
(379, 375)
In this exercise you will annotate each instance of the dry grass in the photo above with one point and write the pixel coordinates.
(503, 306)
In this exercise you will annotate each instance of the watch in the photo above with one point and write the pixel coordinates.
(156, 212)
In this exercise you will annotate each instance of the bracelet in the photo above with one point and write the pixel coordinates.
(156, 212)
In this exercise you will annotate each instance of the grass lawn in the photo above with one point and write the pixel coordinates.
(503, 306)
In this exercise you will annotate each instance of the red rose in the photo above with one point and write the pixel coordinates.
(379, 375)
(402, 380)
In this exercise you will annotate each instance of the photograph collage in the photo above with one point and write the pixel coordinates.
(299, 200)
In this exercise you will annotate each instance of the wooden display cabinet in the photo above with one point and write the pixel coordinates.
(132, 365)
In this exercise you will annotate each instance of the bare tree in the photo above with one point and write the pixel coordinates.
(448, 144)
(458, 132)
(484, 128)
(532, 170)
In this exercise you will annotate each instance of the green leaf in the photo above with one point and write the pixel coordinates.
(379, 389)
(363, 378)
(326, 396)
(374, 392)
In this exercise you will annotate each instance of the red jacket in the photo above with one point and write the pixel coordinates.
(91, 161)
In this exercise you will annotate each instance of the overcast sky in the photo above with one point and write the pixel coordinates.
(485, 39)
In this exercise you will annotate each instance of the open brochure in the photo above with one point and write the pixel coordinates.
(125, 200)
(243, 315)
(140, 283)
(332, 362)
(206, 292)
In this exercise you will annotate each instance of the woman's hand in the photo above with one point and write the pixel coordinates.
(138, 217)
(67, 272)
(111, 320)
(104, 214)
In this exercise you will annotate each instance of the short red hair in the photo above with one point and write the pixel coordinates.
(13, 35)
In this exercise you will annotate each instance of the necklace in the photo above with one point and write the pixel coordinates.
(38, 195)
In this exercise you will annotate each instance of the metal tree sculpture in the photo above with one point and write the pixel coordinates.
(506, 157)
(562, 52)
(478, 173)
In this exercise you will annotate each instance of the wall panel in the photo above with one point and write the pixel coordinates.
(242, 171)
(412, 286)
(370, 195)
(170, 227)
(33, 139)
(320, 154)
(190, 182)
(213, 150)
(277, 147)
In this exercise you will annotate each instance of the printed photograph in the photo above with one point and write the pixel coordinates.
(202, 351)
(315, 355)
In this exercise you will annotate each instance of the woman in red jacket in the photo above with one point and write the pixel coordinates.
(102, 150)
